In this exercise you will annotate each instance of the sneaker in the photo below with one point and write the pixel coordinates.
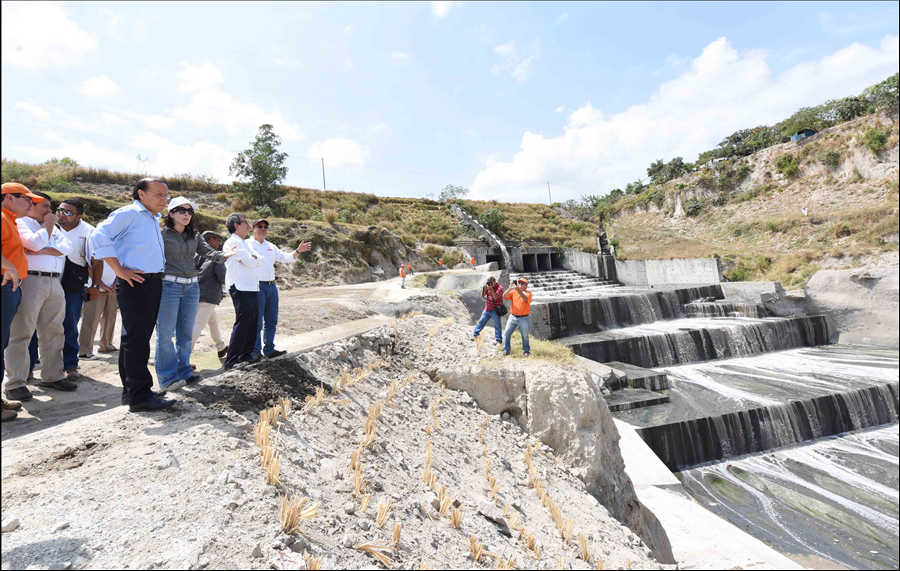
(20, 394)
(88, 357)
(152, 403)
(505, 354)
(173, 386)
(61, 385)
(526, 354)
(275, 354)
(8, 415)
(73, 375)
(158, 394)
(223, 353)
(193, 380)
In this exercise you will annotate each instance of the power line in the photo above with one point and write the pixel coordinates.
(317, 159)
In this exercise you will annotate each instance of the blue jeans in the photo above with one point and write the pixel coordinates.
(268, 310)
(498, 326)
(10, 305)
(523, 323)
(177, 311)
(74, 303)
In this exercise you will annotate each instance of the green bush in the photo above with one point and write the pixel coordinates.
(492, 219)
(743, 171)
(58, 185)
(876, 140)
(693, 207)
(830, 158)
(787, 164)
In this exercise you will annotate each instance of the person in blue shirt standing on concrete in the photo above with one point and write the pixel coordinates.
(131, 243)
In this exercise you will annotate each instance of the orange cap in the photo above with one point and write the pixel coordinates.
(19, 188)
(522, 280)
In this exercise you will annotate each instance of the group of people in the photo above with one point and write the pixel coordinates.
(494, 309)
(58, 269)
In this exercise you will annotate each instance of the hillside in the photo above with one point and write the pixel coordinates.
(749, 212)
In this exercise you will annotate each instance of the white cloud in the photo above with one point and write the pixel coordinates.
(484, 33)
(340, 151)
(194, 78)
(441, 9)
(38, 112)
(560, 19)
(100, 87)
(518, 63)
(113, 23)
(400, 56)
(350, 30)
(216, 110)
(39, 34)
(720, 91)
(560, 109)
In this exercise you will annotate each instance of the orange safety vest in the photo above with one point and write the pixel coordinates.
(402, 272)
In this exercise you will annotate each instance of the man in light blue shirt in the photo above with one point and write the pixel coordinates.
(131, 243)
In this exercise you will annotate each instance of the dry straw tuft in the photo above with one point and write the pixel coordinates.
(273, 471)
(506, 510)
(560, 562)
(383, 509)
(476, 549)
(600, 565)
(285, 406)
(375, 549)
(312, 562)
(364, 504)
(293, 511)
(425, 567)
(567, 530)
(445, 505)
(456, 517)
(397, 530)
(261, 433)
(357, 480)
(585, 550)
(487, 468)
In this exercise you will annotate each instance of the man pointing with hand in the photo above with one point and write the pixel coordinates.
(131, 243)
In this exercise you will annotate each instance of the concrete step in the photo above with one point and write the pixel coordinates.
(628, 399)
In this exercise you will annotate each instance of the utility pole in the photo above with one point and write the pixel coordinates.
(548, 193)
(323, 175)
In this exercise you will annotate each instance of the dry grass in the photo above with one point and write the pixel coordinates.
(312, 562)
(293, 511)
(456, 517)
(397, 530)
(383, 509)
(584, 549)
(476, 549)
(375, 550)
(364, 504)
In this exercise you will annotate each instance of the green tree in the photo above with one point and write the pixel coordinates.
(261, 168)
(451, 192)
(492, 219)
(65, 162)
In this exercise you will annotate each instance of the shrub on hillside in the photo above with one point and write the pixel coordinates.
(787, 164)
(241, 205)
(829, 157)
(58, 185)
(693, 207)
(492, 219)
(876, 140)
(435, 252)
(331, 215)
(743, 171)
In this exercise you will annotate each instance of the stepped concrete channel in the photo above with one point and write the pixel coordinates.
(768, 424)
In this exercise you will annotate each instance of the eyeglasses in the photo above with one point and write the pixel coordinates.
(18, 195)
(66, 212)
(157, 195)
(263, 226)
(183, 210)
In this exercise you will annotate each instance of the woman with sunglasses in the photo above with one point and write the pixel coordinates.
(180, 295)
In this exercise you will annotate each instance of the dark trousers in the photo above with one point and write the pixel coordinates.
(243, 334)
(74, 303)
(139, 305)
(11, 301)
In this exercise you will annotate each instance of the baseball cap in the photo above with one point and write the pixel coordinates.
(181, 201)
(522, 281)
(19, 188)
(209, 234)
(258, 220)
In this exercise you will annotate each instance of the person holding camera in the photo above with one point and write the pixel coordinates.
(492, 292)
(520, 315)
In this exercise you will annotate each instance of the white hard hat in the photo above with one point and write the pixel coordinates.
(181, 201)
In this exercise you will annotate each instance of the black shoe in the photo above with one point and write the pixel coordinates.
(276, 353)
(158, 394)
(61, 385)
(152, 403)
(223, 353)
(256, 359)
(20, 394)
(193, 380)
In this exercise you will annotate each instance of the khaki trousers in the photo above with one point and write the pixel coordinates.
(43, 309)
(103, 312)
(206, 313)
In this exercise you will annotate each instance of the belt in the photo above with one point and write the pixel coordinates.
(267, 283)
(526, 315)
(43, 274)
(156, 276)
(178, 280)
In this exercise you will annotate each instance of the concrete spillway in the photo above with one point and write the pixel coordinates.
(693, 340)
(729, 408)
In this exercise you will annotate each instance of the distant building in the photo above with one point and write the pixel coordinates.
(802, 134)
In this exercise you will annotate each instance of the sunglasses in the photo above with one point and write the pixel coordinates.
(66, 212)
(183, 210)
(18, 195)
(264, 226)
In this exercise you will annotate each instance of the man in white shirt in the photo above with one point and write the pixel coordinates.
(76, 278)
(101, 309)
(242, 283)
(268, 255)
(43, 305)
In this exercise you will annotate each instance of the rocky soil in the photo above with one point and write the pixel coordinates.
(184, 488)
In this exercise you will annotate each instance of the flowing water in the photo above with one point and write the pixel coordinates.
(834, 499)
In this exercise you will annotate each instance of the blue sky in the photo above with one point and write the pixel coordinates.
(497, 97)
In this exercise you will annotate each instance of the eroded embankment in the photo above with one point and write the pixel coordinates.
(190, 478)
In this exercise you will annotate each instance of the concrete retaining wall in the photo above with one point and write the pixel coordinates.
(668, 272)
(582, 262)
